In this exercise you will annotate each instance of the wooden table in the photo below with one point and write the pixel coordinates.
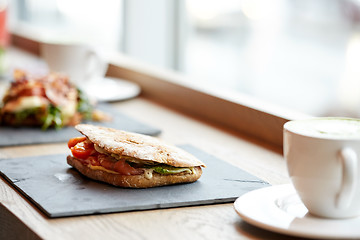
(20, 219)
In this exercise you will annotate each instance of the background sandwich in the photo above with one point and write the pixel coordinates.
(130, 160)
(45, 101)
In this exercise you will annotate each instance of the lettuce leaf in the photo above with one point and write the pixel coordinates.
(84, 106)
(165, 169)
(53, 118)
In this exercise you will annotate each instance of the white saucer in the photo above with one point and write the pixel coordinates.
(111, 89)
(279, 209)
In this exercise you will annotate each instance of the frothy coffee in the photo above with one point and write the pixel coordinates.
(326, 127)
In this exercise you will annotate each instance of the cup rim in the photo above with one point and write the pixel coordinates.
(320, 135)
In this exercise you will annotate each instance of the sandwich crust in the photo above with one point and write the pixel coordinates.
(134, 181)
(138, 146)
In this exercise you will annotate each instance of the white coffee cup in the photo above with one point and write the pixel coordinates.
(80, 62)
(322, 156)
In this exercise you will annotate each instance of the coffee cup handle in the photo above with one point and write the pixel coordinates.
(348, 159)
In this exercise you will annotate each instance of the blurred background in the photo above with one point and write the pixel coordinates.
(303, 55)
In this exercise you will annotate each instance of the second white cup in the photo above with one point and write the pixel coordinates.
(80, 62)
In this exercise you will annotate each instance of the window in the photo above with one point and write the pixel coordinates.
(94, 21)
(300, 54)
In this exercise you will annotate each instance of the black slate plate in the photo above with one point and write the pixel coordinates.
(10, 136)
(59, 190)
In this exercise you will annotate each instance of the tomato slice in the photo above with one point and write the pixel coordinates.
(33, 91)
(93, 160)
(83, 149)
(73, 141)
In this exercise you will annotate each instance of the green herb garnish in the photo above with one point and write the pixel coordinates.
(84, 106)
(52, 118)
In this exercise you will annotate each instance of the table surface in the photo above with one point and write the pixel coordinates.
(21, 219)
(18, 215)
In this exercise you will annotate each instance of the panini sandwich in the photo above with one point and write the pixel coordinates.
(130, 160)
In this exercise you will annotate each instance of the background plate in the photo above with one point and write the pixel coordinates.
(109, 89)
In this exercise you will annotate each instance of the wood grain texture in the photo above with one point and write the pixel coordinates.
(12, 227)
